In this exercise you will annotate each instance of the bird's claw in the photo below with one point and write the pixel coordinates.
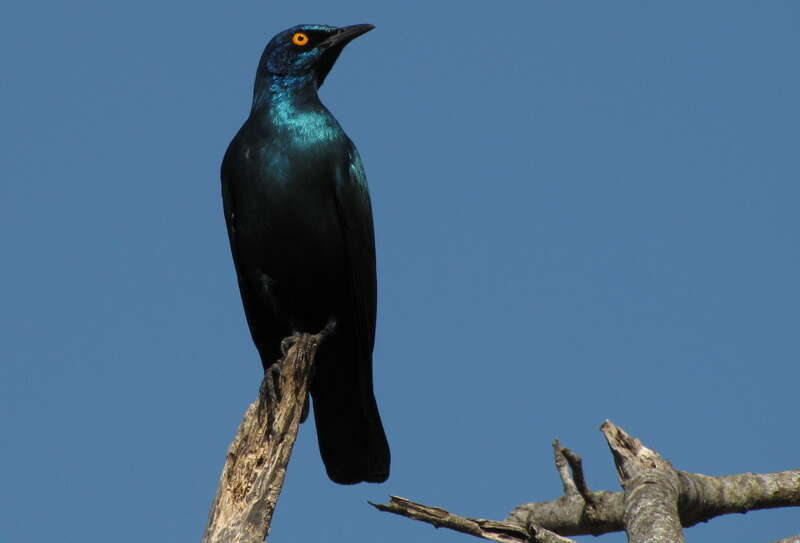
(288, 343)
(272, 383)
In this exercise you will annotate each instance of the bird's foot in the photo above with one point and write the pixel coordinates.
(272, 384)
(288, 343)
(270, 395)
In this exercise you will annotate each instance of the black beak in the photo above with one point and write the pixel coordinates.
(346, 34)
(334, 45)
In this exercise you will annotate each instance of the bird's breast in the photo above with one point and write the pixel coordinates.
(303, 128)
(286, 163)
(288, 193)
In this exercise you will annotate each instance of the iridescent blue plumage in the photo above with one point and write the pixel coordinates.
(300, 225)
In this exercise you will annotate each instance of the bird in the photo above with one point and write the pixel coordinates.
(299, 220)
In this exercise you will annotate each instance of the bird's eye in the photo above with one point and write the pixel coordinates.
(300, 39)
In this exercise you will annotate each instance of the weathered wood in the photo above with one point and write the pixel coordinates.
(702, 498)
(793, 539)
(255, 467)
(486, 529)
(581, 511)
(652, 489)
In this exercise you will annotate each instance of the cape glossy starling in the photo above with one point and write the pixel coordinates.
(300, 226)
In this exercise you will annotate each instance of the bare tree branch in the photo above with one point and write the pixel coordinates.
(793, 539)
(563, 468)
(683, 499)
(486, 529)
(712, 497)
(652, 489)
(568, 515)
(574, 482)
(255, 467)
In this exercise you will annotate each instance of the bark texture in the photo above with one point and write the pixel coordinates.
(656, 502)
(487, 529)
(255, 467)
(652, 489)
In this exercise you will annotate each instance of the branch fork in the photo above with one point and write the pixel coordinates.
(656, 503)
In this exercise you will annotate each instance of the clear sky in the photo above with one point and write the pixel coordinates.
(584, 210)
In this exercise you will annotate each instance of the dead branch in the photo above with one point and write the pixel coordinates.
(255, 466)
(651, 485)
(652, 489)
(793, 539)
(486, 529)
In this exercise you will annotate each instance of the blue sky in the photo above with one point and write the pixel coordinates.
(584, 210)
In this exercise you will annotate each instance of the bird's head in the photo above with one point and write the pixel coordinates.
(307, 50)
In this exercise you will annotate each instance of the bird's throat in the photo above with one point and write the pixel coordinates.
(272, 89)
(291, 106)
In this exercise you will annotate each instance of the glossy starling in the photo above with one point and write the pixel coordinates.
(299, 221)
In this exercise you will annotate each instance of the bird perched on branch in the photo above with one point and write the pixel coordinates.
(299, 222)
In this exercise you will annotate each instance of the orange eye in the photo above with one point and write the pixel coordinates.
(300, 39)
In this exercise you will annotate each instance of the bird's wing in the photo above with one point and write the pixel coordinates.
(228, 206)
(265, 328)
(355, 217)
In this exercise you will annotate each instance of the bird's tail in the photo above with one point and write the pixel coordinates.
(351, 438)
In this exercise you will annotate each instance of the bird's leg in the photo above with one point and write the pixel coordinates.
(270, 395)
(272, 375)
